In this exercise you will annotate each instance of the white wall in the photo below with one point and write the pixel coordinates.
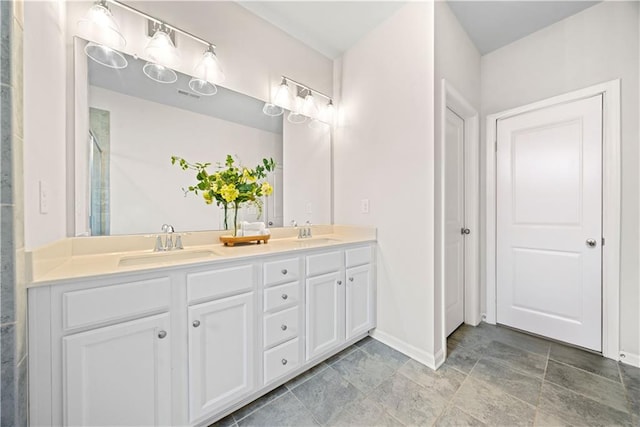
(383, 152)
(596, 45)
(307, 173)
(145, 189)
(253, 53)
(458, 61)
(44, 121)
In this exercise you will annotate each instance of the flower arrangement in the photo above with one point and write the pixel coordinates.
(231, 185)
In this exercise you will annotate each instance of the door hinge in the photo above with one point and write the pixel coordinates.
(603, 241)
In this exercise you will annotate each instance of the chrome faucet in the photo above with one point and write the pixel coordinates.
(168, 244)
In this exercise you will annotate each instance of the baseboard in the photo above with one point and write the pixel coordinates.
(421, 356)
(630, 359)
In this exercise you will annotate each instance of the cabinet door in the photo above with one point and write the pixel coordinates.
(325, 313)
(119, 375)
(360, 300)
(222, 353)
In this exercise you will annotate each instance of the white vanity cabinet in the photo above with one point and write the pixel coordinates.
(186, 345)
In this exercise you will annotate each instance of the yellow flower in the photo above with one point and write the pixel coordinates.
(248, 176)
(267, 189)
(207, 197)
(229, 192)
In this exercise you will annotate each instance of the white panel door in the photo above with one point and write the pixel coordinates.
(119, 375)
(549, 222)
(222, 353)
(359, 300)
(454, 221)
(325, 313)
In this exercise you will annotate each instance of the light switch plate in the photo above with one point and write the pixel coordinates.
(44, 197)
(364, 206)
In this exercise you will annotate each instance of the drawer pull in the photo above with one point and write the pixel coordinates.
(283, 327)
(285, 296)
(196, 323)
(351, 279)
(162, 334)
(339, 282)
(284, 361)
(284, 271)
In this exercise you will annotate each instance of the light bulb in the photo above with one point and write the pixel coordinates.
(161, 50)
(309, 107)
(208, 68)
(329, 113)
(100, 28)
(283, 95)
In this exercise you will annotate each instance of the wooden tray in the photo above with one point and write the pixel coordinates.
(230, 240)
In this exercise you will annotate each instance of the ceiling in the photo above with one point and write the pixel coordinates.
(332, 27)
(493, 24)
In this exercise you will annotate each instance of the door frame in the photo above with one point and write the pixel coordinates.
(454, 100)
(611, 208)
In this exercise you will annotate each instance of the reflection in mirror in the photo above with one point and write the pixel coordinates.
(128, 127)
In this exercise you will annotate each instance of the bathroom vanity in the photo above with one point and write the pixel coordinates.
(139, 338)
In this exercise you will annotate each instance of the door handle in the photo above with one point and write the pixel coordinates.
(465, 231)
(591, 243)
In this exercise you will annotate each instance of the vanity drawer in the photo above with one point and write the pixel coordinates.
(358, 256)
(280, 360)
(281, 326)
(324, 263)
(281, 271)
(110, 303)
(218, 283)
(281, 296)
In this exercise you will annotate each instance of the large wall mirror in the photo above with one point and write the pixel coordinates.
(127, 128)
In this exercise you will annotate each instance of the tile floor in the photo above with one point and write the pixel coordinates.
(493, 376)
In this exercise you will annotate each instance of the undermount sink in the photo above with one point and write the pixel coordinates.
(308, 242)
(160, 257)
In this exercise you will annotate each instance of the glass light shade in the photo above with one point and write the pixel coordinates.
(161, 50)
(272, 110)
(283, 95)
(309, 107)
(159, 73)
(100, 27)
(208, 68)
(105, 55)
(202, 87)
(296, 118)
(329, 113)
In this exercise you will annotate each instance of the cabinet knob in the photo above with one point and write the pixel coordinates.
(162, 334)
(284, 271)
(284, 361)
(285, 296)
(196, 323)
(351, 279)
(339, 282)
(283, 327)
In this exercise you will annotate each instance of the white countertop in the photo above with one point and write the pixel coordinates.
(95, 257)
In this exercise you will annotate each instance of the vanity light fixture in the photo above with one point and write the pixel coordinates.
(207, 73)
(100, 28)
(300, 107)
(162, 55)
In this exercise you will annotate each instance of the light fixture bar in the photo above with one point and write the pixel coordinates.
(311, 90)
(151, 18)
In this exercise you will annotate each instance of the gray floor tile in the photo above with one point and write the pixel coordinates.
(364, 341)
(385, 354)
(286, 410)
(473, 336)
(259, 403)
(409, 402)
(333, 359)
(523, 341)
(326, 394)
(492, 406)
(462, 359)
(579, 410)
(631, 381)
(364, 412)
(593, 363)
(517, 384)
(599, 388)
(445, 381)
(306, 375)
(544, 419)
(515, 358)
(227, 421)
(455, 416)
(362, 370)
